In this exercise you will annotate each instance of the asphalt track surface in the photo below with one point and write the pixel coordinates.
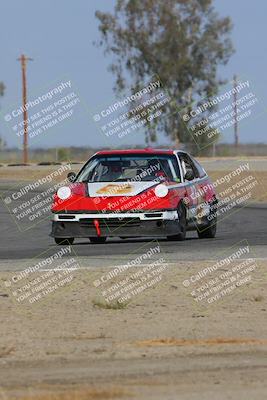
(242, 224)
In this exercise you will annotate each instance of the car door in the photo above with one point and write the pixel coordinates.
(205, 190)
(205, 193)
(190, 177)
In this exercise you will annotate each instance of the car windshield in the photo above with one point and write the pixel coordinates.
(130, 168)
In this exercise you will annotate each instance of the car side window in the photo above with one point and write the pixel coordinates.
(201, 171)
(188, 166)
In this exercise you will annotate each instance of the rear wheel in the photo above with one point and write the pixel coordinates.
(98, 240)
(64, 241)
(182, 222)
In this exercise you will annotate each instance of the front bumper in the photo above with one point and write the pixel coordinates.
(153, 224)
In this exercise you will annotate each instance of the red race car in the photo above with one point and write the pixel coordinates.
(135, 193)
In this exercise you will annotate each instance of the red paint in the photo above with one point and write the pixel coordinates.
(135, 151)
(143, 201)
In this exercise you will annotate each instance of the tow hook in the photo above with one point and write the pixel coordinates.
(97, 227)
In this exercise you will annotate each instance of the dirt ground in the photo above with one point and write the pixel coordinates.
(162, 344)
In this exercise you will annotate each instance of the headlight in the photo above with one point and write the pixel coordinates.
(64, 192)
(161, 190)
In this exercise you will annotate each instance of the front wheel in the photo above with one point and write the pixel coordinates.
(98, 240)
(182, 222)
(64, 241)
(209, 232)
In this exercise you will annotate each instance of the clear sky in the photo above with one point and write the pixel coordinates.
(59, 36)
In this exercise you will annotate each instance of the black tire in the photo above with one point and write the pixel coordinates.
(182, 222)
(98, 240)
(64, 241)
(209, 232)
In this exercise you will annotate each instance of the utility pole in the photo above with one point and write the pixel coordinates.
(23, 60)
(235, 112)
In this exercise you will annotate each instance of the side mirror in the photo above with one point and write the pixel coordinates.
(71, 176)
(189, 176)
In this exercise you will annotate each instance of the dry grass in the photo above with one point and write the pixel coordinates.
(199, 342)
(109, 306)
(5, 351)
(259, 191)
(84, 337)
(33, 173)
(258, 298)
(80, 394)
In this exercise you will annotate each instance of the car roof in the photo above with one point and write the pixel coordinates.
(148, 151)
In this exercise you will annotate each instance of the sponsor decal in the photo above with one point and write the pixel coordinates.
(112, 189)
